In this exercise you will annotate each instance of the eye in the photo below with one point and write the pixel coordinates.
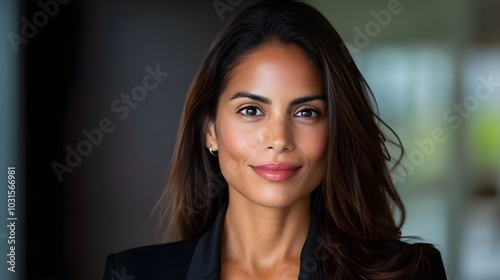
(250, 111)
(307, 113)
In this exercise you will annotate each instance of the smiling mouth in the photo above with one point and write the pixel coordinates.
(276, 172)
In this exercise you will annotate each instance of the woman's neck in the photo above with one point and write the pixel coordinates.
(259, 237)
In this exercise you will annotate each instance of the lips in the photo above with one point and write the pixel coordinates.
(276, 172)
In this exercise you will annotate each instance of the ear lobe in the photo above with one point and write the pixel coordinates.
(211, 136)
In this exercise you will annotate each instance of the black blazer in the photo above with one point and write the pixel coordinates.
(199, 259)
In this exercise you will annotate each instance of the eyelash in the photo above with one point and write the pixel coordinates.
(308, 109)
(240, 110)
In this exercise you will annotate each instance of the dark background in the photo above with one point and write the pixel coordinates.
(77, 65)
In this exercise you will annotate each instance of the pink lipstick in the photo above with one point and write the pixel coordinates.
(276, 172)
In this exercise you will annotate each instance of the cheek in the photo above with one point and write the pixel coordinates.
(314, 145)
(236, 146)
(314, 149)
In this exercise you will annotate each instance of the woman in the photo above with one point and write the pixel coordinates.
(280, 166)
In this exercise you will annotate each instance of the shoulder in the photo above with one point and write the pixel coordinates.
(424, 252)
(151, 262)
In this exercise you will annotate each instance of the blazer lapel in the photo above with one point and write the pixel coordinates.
(310, 260)
(205, 263)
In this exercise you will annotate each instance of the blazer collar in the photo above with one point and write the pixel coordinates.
(206, 260)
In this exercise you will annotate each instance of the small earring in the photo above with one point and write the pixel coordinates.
(212, 152)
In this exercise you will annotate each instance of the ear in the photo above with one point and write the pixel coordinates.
(211, 136)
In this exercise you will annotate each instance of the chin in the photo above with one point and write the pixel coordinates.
(276, 199)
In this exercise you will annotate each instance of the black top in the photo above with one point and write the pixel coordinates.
(200, 259)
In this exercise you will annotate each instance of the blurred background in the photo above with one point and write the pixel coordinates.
(92, 142)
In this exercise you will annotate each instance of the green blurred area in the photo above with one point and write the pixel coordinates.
(485, 139)
(434, 68)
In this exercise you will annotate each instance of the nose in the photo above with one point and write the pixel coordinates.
(279, 135)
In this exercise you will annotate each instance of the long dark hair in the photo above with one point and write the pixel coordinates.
(354, 206)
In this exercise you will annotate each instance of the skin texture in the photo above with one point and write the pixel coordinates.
(267, 219)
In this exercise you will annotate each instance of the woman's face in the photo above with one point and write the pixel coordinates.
(271, 127)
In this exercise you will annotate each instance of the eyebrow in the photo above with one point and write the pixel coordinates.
(265, 100)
